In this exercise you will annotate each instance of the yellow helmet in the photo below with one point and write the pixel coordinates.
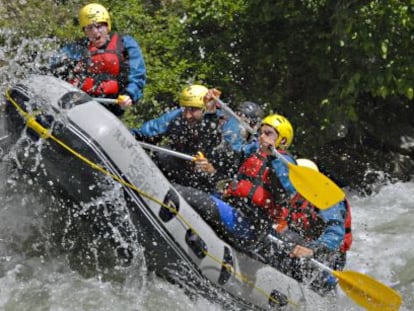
(283, 127)
(307, 163)
(193, 96)
(94, 13)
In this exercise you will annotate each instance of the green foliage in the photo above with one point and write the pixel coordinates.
(316, 61)
(40, 18)
(376, 44)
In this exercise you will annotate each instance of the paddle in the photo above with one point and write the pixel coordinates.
(233, 114)
(109, 101)
(106, 101)
(167, 151)
(4, 137)
(312, 185)
(365, 290)
(361, 288)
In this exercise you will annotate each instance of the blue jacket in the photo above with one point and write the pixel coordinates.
(136, 79)
(232, 133)
(137, 70)
(157, 126)
(334, 232)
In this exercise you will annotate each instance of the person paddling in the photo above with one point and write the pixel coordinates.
(194, 129)
(250, 204)
(311, 232)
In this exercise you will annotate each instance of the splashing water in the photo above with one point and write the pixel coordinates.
(35, 274)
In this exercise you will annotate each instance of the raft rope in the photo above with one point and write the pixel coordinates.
(45, 133)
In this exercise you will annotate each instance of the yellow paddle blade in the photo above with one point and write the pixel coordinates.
(368, 292)
(315, 186)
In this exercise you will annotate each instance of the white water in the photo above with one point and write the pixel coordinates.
(383, 231)
(35, 277)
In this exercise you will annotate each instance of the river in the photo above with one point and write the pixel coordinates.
(35, 276)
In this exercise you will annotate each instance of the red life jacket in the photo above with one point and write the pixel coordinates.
(304, 218)
(100, 73)
(254, 182)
